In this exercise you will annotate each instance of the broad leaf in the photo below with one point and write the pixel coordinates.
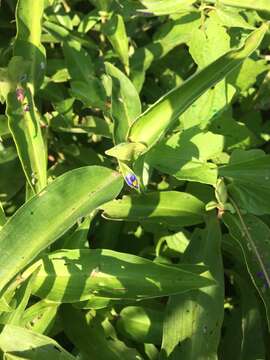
(171, 34)
(262, 5)
(165, 7)
(185, 155)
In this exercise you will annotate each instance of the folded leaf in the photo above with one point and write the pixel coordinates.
(141, 324)
(151, 126)
(168, 207)
(114, 28)
(126, 104)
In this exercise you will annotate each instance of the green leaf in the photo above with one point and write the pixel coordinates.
(165, 7)
(78, 239)
(78, 60)
(91, 93)
(60, 33)
(209, 43)
(252, 346)
(173, 208)
(4, 130)
(126, 104)
(103, 5)
(95, 302)
(192, 325)
(10, 165)
(149, 127)
(4, 84)
(25, 344)
(115, 30)
(76, 275)
(250, 342)
(21, 297)
(262, 5)
(185, 155)
(231, 18)
(80, 329)
(2, 216)
(126, 151)
(247, 172)
(247, 75)
(171, 34)
(25, 128)
(208, 107)
(88, 21)
(85, 86)
(253, 236)
(141, 324)
(40, 316)
(236, 134)
(28, 40)
(46, 216)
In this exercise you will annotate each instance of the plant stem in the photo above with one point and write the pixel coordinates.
(252, 243)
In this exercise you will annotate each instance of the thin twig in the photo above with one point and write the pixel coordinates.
(252, 243)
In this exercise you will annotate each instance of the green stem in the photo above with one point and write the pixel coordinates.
(251, 242)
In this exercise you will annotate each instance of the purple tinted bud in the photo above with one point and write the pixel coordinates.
(26, 108)
(260, 274)
(20, 94)
(132, 181)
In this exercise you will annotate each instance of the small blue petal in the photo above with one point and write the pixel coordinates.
(131, 180)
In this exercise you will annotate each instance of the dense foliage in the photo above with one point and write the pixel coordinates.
(134, 179)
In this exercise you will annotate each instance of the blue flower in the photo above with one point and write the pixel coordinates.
(132, 181)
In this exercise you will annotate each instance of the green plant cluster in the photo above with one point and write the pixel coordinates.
(134, 179)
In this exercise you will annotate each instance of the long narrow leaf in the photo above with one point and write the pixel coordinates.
(192, 326)
(76, 275)
(51, 213)
(26, 344)
(24, 120)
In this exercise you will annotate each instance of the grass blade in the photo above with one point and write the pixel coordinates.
(76, 275)
(46, 216)
(193, 322)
